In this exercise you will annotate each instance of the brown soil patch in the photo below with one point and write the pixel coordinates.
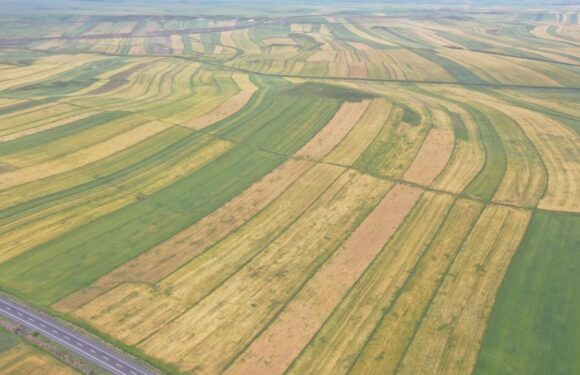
(357, 71)
(342, 122)
(275, 349)
(165, 258)
(432, 157)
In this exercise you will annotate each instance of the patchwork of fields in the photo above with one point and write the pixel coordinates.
(363, 190)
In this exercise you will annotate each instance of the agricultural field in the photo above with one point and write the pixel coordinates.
(308, 188)
(18, 357)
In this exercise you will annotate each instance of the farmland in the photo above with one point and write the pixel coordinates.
(18, 357)
(242, 188)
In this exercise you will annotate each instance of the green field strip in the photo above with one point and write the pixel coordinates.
(438, 254)
(567, 119)
(526, 175)
(28, 121)
(169, 202)
(67, 82)
(270, 31)
(398, 36)
(210, 41)
(468, 43)
(367, 300)
(48, 138)
(24, 106)
(340, 32)
(140, 173)
(460, 73)
(489, 178)
(50, 191)
(284, 122)
(565, 75)
(533, 328)
(7, 341)
(187, 48)
(394, 148)
(50, 271)
(62, 147)
(459, 128)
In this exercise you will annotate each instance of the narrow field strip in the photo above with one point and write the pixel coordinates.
(228, 107)
(165, 258)
(400, 322)
(53, 189)
(60, 142)
(395, 147)
(41, 128)
(22, 234)
(432, 157)
(363, 133)
(36, 115)
(273, 351)
(557, 146)
(80, 158)
(160, 261)
(450, 334)
(258, 291)
(325, 140)
(336, 344)
(210, 269)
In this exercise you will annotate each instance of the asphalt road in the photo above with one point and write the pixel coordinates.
(108, 360)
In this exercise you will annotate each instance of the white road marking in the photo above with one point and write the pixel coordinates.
(37, 323)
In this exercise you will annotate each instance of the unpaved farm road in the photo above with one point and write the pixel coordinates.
(108, 360)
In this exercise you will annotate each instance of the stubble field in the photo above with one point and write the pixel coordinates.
(367, 189)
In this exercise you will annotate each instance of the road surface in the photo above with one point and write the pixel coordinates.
(75, 342)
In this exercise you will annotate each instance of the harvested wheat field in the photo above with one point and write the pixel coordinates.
(261, 189)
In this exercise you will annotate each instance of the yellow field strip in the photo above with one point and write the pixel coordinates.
(80, 158)
(398, 326)
(432, 157)
(32, 230)
(363, 133)
(208, 270)
(467, 159)
(275, 348)
(41, 128)
(558, 147)
(256, 292)
(325, 140)
(449, 336)
(335, 346)
(227, 108)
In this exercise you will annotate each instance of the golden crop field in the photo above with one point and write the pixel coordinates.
(17, 357)
(310, 188)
